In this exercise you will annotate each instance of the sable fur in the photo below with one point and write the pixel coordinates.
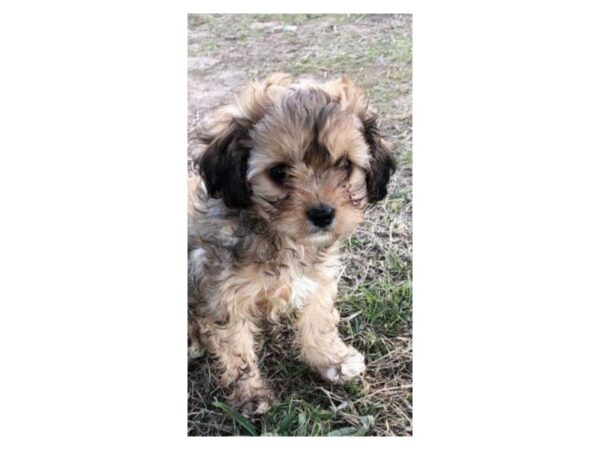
(253, 255)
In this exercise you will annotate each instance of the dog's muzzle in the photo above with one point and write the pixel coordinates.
(321, 215)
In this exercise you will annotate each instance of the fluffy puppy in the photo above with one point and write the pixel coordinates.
(284, 175)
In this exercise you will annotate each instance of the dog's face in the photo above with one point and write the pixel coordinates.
(308, 159)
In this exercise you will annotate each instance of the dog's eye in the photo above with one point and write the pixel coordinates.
(347, 166)
(278, 173)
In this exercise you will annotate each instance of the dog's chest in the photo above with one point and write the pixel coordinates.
(290, 287)
(287, 290)
(302, 288)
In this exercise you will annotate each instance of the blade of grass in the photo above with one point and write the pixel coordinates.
(367, 423)
(285, 423)
(301, 424)
(347, 431)
(237, 417)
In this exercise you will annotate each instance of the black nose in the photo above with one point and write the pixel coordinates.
(321, 215)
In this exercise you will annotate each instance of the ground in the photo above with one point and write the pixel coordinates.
(375, 301)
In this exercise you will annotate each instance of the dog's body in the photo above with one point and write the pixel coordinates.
(284, 174)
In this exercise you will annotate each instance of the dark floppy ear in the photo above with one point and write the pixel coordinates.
(382, 164)
(224, 163)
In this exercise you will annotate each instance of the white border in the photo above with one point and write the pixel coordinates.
(92, 182)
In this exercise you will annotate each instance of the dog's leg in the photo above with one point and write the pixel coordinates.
(195, 350)
(233, 344)
(320, 344)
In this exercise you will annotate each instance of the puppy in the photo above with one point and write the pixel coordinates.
(284, 175)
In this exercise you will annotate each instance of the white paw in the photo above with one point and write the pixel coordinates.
(351, 366)
(331, 374)
(195, 351)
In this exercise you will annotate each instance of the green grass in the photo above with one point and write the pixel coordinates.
(380, 311)
(295, 418)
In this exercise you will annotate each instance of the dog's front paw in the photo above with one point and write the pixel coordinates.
(256, 406)
(252, 404)
(352, 365)
(195, 351)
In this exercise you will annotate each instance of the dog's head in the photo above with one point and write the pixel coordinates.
(306, 158)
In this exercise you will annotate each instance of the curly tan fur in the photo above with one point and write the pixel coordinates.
(254, 251)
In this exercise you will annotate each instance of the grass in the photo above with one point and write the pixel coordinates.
(295, 418)
(375, 288)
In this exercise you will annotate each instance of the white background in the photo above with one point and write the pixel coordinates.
(93, 229)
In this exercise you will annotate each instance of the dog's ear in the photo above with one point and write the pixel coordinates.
(224, 162)
(382, 164)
